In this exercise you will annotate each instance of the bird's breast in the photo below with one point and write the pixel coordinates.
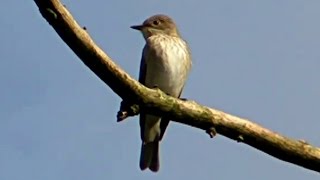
(168, 63)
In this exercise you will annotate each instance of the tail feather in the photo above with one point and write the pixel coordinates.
(149, 157)
(155, 165)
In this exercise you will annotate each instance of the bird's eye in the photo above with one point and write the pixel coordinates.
(156, 23)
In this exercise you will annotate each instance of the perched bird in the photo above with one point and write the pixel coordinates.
(165, 64)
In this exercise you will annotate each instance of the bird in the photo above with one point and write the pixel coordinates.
(165, 64)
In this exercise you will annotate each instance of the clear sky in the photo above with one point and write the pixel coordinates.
(255, 59)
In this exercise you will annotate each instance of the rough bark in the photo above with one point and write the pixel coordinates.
(298, 152)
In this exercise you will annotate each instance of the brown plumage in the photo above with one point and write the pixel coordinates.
(165, 63)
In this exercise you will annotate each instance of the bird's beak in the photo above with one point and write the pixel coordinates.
(137, 27)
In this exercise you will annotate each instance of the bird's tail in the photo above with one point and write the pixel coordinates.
(149, 157)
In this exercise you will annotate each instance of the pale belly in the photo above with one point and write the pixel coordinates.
(167, 72)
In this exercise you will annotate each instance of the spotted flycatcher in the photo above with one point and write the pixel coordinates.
(165, 64)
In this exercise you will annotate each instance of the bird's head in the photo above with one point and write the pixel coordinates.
(157, 24)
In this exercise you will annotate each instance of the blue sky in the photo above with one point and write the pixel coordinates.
(255, 59)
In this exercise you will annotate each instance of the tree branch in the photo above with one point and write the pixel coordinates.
(186, 112)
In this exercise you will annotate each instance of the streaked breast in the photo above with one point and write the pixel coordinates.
(168, 63)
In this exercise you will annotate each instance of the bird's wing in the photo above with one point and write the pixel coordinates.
(143, 69)
(142, 78)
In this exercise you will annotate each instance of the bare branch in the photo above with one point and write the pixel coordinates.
(186, 112)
